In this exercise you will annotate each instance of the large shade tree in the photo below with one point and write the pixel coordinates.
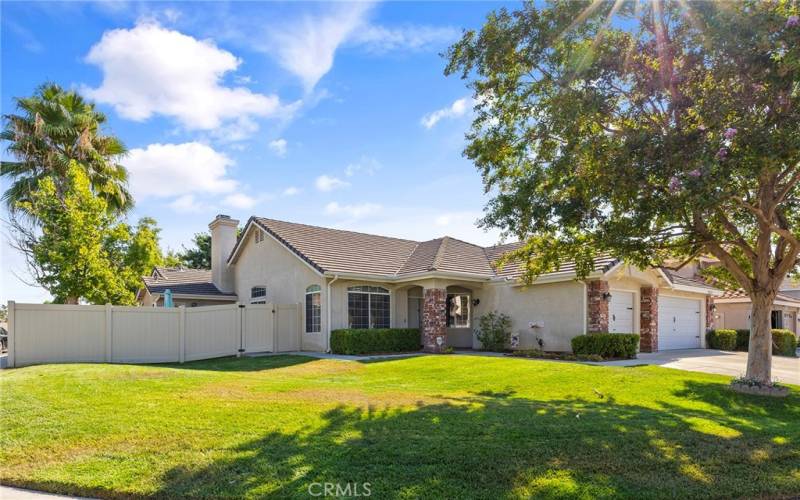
(654, 130)
(52, 128)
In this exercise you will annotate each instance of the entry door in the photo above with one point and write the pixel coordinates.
(620, 312)
(678, 323)
(414, 312)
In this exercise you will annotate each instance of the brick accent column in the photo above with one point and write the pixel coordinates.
(709, 313)
(597, 314)
(648, 319)
(434, 319)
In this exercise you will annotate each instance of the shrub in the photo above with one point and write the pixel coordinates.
(724, 340)
(607, 345)
(494, 332)
(784, 343)
(742, 339)
(374, 340)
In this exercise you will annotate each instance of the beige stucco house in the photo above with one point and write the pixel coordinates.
(189, 288)
(733, 310)
(442, 286)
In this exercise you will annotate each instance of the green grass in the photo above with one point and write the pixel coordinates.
(433, 426)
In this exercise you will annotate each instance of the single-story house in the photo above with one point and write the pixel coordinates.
(346, 279)
(733, 311)
(189, 288)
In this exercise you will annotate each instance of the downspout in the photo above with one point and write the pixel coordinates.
(328, 316)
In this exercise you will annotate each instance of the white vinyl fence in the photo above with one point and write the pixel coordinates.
(51, 333)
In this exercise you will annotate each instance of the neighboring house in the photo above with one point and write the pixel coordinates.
(189, 287)
(733, 310)
(791, 288)
(442, 286)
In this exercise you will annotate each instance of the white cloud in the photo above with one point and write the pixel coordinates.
(149, 70)
(366, 165)
(278, 146)
(291, 191)
(355, 211)
(186, 204)
(328, 183)
(307, 46)
(163, 170)
(460, 107)
(240, 201)
(381, 39)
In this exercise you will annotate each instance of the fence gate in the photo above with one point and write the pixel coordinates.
(258, 329)
(287, 324)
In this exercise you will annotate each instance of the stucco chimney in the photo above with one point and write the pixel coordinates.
(223, 239)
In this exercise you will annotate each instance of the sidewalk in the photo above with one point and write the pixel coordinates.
(9, 493)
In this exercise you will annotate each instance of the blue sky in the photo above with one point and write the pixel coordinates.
(330, 114)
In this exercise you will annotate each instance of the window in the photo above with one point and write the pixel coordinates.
(777, 319)
(259, 236)
(368, 307)
(313, 309)
(258, 295)
(458, 311)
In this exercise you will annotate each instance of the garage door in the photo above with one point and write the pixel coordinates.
(620, 312)
(678, 323)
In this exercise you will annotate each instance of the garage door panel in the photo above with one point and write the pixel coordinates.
(678, 323)
(620, 311)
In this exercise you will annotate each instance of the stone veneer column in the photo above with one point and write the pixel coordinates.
(648, 321)
(709, 312)
(597, 305)
(434, 319)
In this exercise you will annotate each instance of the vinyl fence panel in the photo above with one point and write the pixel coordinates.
(212, 332)
(145, 335)
(259, 335)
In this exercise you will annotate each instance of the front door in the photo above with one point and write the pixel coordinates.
(414, 312)
(620, 312)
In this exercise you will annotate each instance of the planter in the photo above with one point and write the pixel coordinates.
(760, 390)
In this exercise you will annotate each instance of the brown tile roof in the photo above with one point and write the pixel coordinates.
(515, 269)
(182, 281)
(677, 279)
(741, 294)
(340, 251)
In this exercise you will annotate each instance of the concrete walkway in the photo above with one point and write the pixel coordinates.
(340, 357)
(9, 493)
(786, 370)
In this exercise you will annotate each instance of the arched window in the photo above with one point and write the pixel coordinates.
(313, 309)
(258, 295)
(368, 307)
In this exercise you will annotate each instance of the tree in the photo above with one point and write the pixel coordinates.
(143, 252)
(74, 250)
(654, 131)
(55, 127)
(199, 256)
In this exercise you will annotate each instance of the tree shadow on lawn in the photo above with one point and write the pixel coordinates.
(492, 445)
(243, 364)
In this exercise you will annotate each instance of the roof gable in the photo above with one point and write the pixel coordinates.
(182, 281)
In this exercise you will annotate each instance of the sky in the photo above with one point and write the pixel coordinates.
(334, 114)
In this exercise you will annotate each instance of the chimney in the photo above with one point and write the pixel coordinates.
(223, 239)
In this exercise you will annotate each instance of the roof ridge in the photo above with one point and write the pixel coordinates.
(339, 230)
(437, 259)
(408, 257)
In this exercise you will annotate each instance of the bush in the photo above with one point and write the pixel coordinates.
(784, 343)
(374, 340)
(607, 345)
(742, 339)
(724, 340)
(494, 332)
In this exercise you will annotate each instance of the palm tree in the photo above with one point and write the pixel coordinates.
(52, 128)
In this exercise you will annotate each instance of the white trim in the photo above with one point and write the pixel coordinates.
(369, 304)
(261, 299)
(469, 309)
(305, 298)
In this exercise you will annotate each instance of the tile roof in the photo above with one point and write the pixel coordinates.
(741, 294)
(677, 279)
(340, 251)
(182, 281)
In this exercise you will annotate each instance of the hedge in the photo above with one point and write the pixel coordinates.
(607, 345)
(374, 340)
(784, 342)
(724, 340)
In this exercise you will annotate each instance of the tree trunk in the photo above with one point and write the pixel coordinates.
(759, 353)
(71, 300)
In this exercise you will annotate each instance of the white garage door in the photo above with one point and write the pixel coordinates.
(620, 312)
(678, 323)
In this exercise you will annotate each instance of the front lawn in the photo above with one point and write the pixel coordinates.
(432, 426)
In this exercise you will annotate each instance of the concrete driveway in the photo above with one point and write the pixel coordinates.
(784, 369)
